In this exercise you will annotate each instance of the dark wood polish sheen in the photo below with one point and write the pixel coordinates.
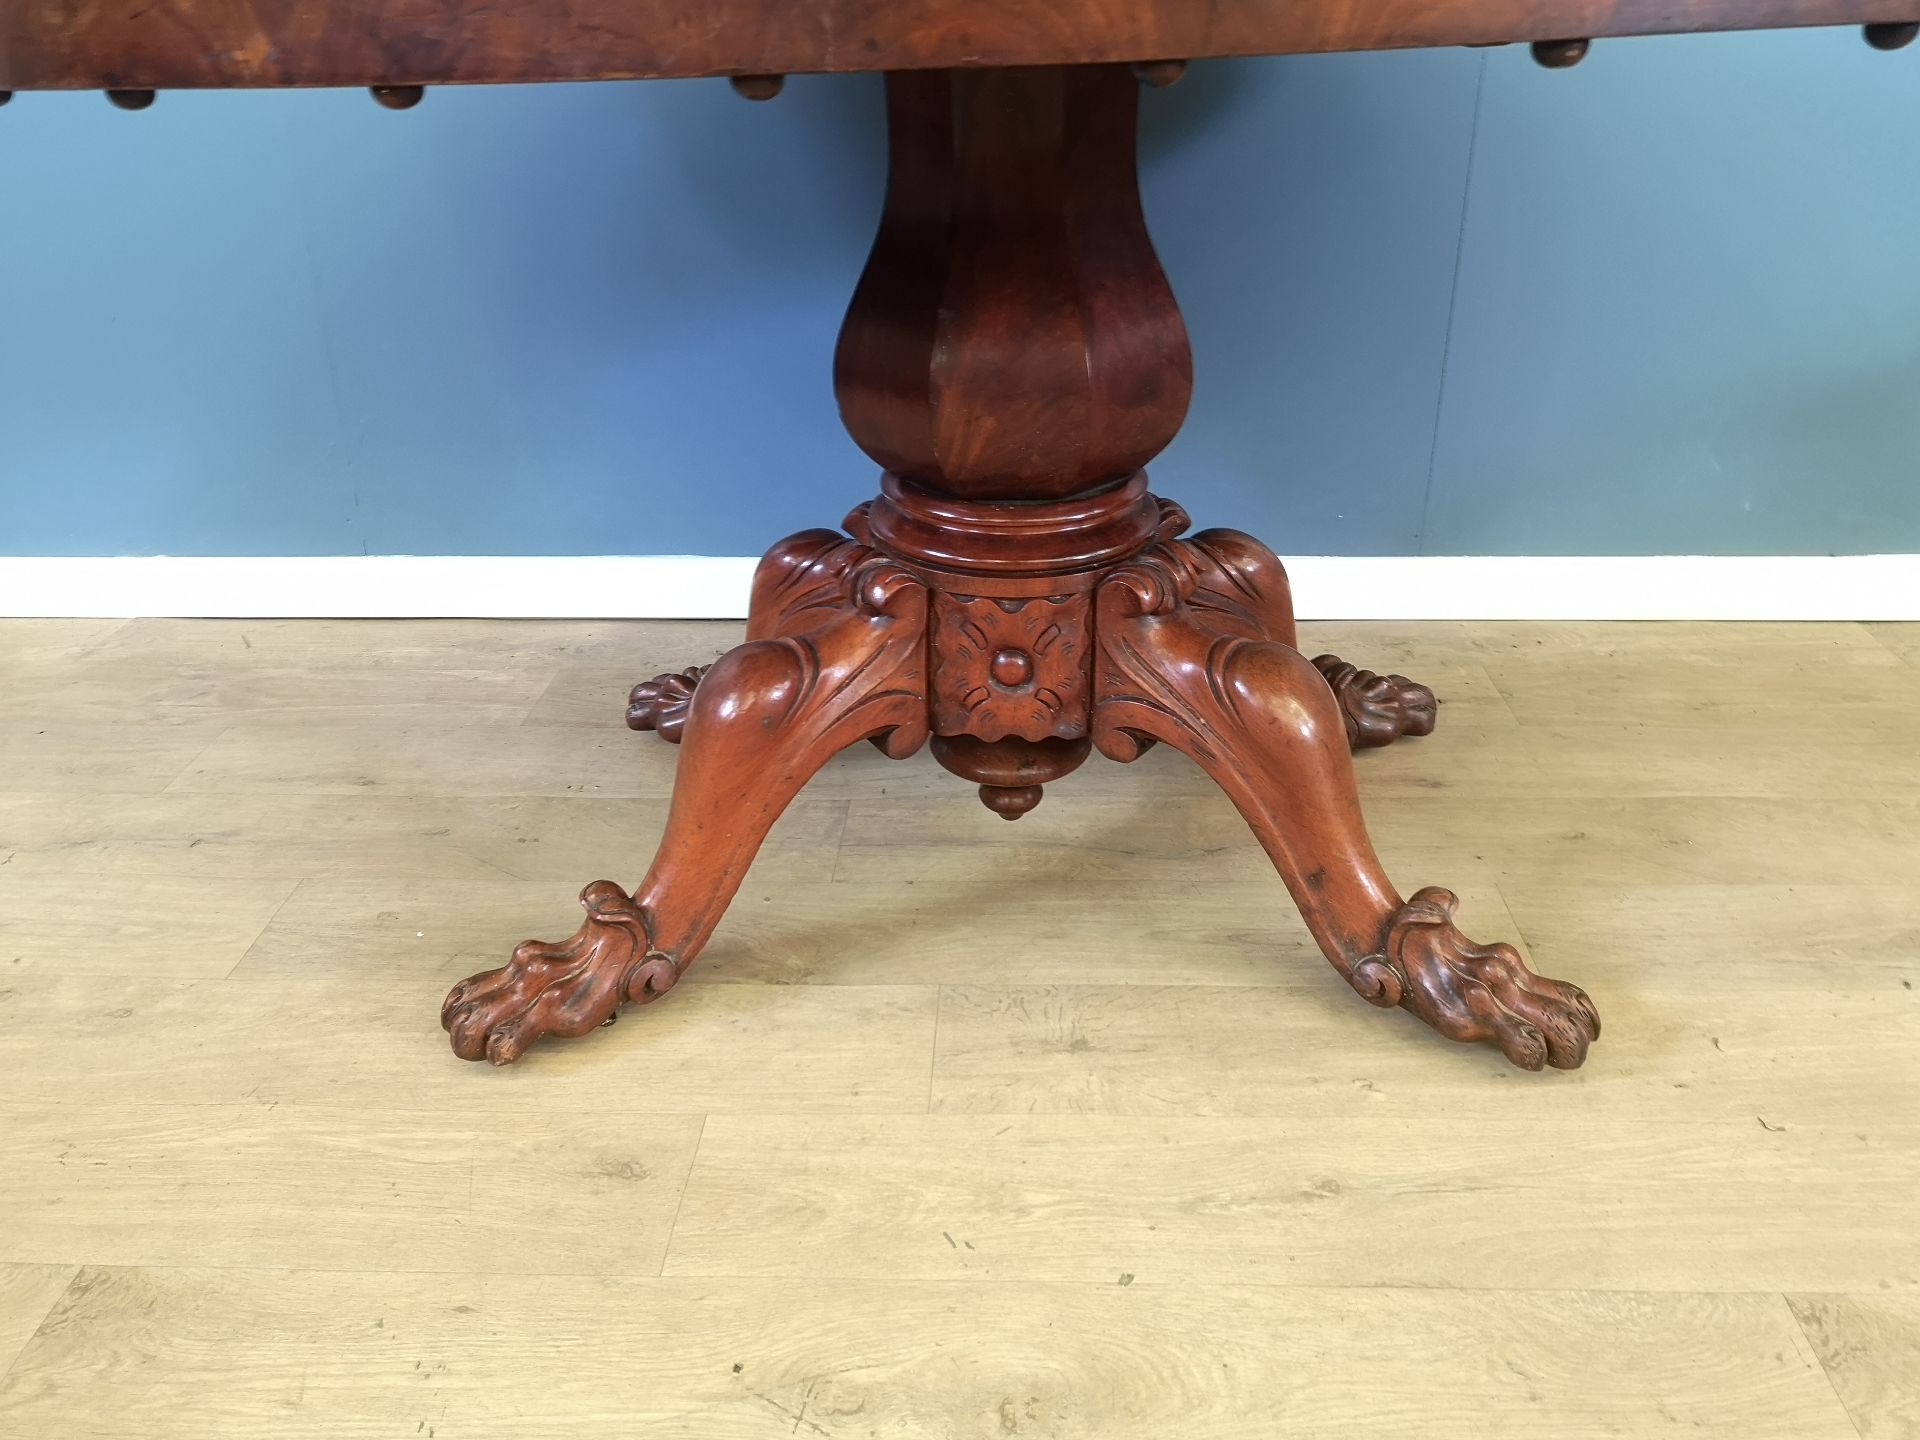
(1013, 337)
(167, 44)
(1013, 359)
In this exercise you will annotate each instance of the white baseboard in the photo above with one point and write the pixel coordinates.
(606, 587)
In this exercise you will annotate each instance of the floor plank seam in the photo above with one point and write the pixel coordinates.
(1196, 1097)
(533, 705)
(265, 925)
(187, 769)
(53, 1308)
(686, 1184)
(1912, 662)
(840, 840)
(1102, 1284)
(1813, 1349)
(933, 1060)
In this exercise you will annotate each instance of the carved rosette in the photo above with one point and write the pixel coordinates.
(1481, 994)
(1379, 709)
(1011, 667)
(564, 988)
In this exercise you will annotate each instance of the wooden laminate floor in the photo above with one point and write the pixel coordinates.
(959, 1128)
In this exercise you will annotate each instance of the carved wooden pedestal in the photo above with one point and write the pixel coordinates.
(1013, 357)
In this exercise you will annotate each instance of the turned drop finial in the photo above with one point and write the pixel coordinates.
(131, 99)
(1010, 802)
(398, 97)
(1892, 35)
(1156, 74)
(1560, 54)
(758, 87)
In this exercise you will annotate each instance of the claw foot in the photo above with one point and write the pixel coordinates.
(1477, 993)
(661, 704)
(567, 988)
(1379, 709)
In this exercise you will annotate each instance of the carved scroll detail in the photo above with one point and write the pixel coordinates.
(661, 704)
(795, 582)
(1142, 610)
(1379, 709)
(563, 988)
(1477, 993)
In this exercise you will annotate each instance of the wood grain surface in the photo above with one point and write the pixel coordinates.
(133, 44)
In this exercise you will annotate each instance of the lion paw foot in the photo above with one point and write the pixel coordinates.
(1378, 709)
(661, 704)
(560, 989)
(1477, 993)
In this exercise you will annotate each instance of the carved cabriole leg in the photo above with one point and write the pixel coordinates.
(1012, 359)
(850, 664)
(1182, 661)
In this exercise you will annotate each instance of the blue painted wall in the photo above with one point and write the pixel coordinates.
(1442, 303)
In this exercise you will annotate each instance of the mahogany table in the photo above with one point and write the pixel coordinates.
(1013, 357)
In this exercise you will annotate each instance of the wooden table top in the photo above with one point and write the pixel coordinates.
(168, 44)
